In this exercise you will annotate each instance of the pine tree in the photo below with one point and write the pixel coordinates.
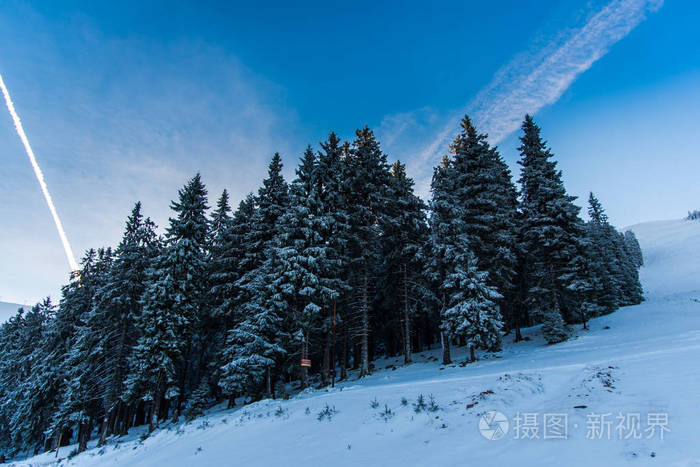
(28, 384)
(172, 304)
(199, 401)
(220, 219)
(83, 364)
(253, 346)
(229, 262)
(368, 186)
(404, 235)
(333, 226)
(445, 242)
(468, 304)
(212, 325)
(551, 234)
(298, 265)
(488, 202)
(472, 311)
(633, 247)
(615, 261)
(116, 308)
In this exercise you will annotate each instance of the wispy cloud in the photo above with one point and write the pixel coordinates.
(176, 108)
(533, 79)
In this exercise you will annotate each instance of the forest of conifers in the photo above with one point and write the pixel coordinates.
(338, 267)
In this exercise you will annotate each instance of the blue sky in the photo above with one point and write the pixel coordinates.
(124, 101)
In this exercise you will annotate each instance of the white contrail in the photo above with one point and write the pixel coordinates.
(534, 80)
(39, 176)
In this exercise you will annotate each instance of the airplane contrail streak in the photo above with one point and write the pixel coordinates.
(39, 176)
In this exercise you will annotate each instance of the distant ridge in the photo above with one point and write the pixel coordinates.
(9, 309)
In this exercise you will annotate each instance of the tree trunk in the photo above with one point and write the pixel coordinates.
(58, 443)
(583, 318)
(472, 355)
(516, 321)
(155, 408)
(333, 347)
(127, 420)
(364, 333)
(105, 427)
(304, 355)
(325, 369)
(268, 383)
(83, 436)
(344, 359)
(445, 340)
(406, 319)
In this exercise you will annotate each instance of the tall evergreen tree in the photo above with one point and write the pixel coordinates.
(368, 186)
(472, 311)
(29, 384)
(228, 264)
(83, 363)
(172, 304)
(404, 235)
(253, 346)
(634, 248)
(488, 202)
(117, 306)
(333, 226)
(551, 234)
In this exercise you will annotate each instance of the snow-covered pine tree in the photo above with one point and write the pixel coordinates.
(368, 186)
(551, 234)
(83, 364)
(488, 201)
(28, 384)
(614, 261)
(199, 401)
(229, 262)
(634, 248)
(584, 278)
(468, 304)
(331, 188)
(160, 363)
(446, 234)
(604, 261)
(220, 219)
(632, 293)
(116, 307)
(472, 311)
(253, 347)
(299, 277)
(405, 232)
(212, 325)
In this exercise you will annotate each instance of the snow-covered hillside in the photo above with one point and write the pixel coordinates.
(672, 256)
(639, 363)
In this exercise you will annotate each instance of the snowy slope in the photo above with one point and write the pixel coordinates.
(639, 360)
(672, 256)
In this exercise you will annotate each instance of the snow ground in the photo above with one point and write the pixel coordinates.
(640, 360)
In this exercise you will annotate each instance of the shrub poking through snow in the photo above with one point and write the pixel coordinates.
(327, 413)
(419, 406)
(432, 404)
(386, 414)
